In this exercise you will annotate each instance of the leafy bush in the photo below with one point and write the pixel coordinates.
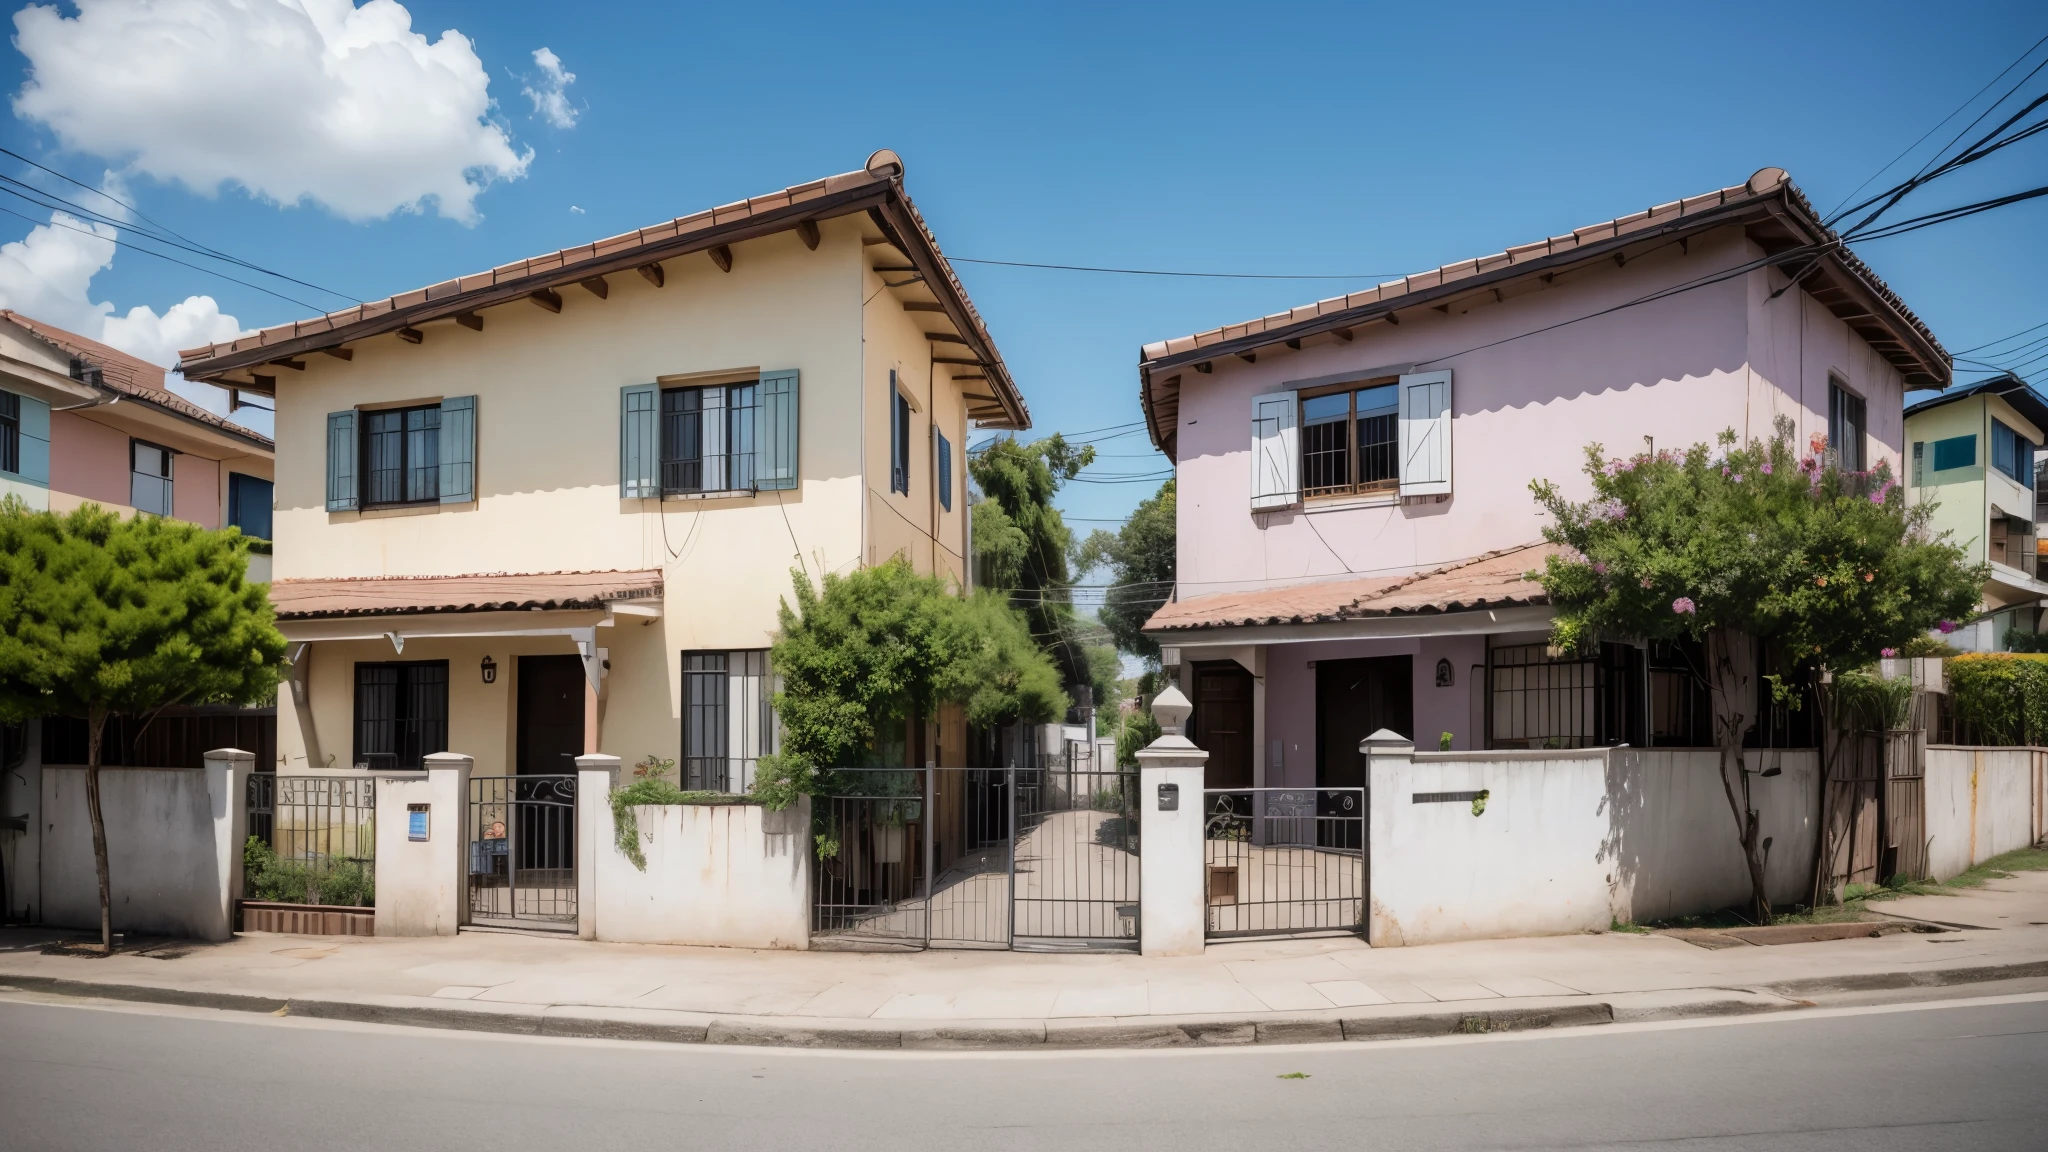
(2005, 694)
(330, 881)
(1867, 702)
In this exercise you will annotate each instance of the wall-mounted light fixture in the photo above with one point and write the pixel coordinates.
(490, 667)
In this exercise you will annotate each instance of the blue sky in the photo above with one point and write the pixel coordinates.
(1346, 139)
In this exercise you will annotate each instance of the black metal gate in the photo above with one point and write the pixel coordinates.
(1284, 861)
(1042, 857)
(522, 851)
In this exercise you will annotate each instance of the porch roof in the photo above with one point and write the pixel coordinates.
(1497, 579)
(489, 592)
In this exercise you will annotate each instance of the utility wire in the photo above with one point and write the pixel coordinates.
(1193, 275)
(132, 247)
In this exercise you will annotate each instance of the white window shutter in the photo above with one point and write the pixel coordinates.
(1426, 434)
(1276, 451)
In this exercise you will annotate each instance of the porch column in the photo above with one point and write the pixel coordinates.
(1390, 760)
(596, 776)
(422, 847)
(1172, 912)
(227, 789)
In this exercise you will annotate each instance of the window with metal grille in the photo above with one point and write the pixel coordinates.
(401, 456)
(707, 438)
(1845, 427)
(149, 480)
(401, 713)
(728, 718)
(1350, 441)
(10, 432)
(899, 439)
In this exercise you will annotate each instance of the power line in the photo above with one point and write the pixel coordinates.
(1376, 276)
(132, 247)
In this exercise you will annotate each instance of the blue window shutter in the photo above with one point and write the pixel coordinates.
(775, 432)
(458, 449)
(35, 442)
(341, 462)
(639, 441)
(945, 470)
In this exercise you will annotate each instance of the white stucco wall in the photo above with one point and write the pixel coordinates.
(1571, 841)
(421, 883)
(174, 848)
(1981, 802)
(731, 875)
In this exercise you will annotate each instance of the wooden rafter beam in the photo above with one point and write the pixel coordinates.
(547, 298)
(653, 273)
(597, 286)
(1204, 367)
(945, 338)
(294, 365)
(923, 306)
(470, 320)
(1344, 335)
(958, 360)
(340, 353)
(721, 255)
(412, 335)
(807, 231)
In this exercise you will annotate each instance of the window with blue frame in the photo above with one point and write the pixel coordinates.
(249, 504)
(945, 471)
(2012, 453)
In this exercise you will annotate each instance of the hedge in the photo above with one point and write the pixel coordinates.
(2004, 694)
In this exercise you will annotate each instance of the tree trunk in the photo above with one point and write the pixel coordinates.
(1832, 743)
(1731, 675)
(95, 726)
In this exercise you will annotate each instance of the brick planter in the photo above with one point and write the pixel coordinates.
(308, 919)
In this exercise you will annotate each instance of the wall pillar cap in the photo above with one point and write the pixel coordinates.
(597, 762)
(1387, 742)
(448, 760)
(231, 754)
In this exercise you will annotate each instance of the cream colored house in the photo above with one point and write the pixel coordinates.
(553, 507)
(1972, 451)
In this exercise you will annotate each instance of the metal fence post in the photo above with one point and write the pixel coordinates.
(1010, 787)
(930, 823)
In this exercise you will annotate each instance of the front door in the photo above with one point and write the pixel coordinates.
(1354, 699)
(550, 714)
(1223, 722)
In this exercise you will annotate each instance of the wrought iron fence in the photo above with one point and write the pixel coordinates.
(1077, 856)
(871, 836)
(522, 848)
(320, 833)
(1284, 861)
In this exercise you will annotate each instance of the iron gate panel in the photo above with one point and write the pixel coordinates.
(1284, 861)
(322, 836)
(926, 858)
(522, 850)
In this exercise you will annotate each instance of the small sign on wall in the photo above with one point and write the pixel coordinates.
(416, 822)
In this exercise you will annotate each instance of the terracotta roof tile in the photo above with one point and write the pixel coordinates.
(129, 375)
(488, 592)
(1493, 580)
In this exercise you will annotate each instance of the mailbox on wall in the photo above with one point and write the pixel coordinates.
(1169, 797)
(416, 822)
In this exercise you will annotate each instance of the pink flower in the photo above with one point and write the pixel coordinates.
(1818, 442)
(1738, 477)
(1646, 581)
(1599, 568)
(1767, 469)
(1888, 653)
(1883, 490)
(1683, 606)
(1946, 627)
(1611, 509)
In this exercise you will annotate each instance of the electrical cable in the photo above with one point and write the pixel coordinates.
(132, 247)
(1377, 276)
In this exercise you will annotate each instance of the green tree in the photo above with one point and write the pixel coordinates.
(1022, 545)
(1749, 548)
(103, 617)
(1140, 559)
(861, 655)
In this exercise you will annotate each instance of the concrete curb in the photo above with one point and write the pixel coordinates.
(661, 1026)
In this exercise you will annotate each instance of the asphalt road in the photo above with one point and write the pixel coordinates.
(1958, 1075)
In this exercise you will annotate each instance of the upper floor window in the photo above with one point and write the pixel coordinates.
(387, 457)
(402, 456)
(707, 437)
(2012, 453)
(149, 479)
(899, 438)
(1845, 427)
(945, 470)
(10, 432)
(249, 504)
(1349, 441)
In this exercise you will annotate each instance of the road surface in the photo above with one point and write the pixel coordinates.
(1957, 1075)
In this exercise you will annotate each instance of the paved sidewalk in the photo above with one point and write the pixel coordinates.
(1236, 993)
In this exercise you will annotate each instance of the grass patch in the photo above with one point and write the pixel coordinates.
(2001, 867)
(1857, 898)
(1293, 1076)
(1614, 925)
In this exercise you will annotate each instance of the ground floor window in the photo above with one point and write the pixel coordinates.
(1653, 697)
(728, 718)
(401, 713)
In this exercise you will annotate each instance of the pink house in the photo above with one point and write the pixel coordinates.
(1355, 514)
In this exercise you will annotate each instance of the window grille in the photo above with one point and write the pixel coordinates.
(10, 432)
(401, 713)
(402, 456)
(728, 718)
(1350, 441)
(707, 438)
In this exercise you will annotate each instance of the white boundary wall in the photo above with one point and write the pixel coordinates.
(1981, 802)
(1572, 841)
(174, 847)
(733, 875)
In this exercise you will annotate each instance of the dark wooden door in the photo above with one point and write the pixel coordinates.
(550, 714)
(1354, 699)
(1223, 722)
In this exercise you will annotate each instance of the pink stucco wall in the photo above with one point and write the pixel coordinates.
(1679, 370)
(1291, 697)
(88, 459)
(195, 490)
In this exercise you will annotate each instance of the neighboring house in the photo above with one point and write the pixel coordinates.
(1972, 452)
(82, 423)
(552, 508)
(1355, 515)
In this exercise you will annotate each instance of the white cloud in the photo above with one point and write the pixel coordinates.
(193, 321)
(575, 211)
(293, 100)
(550, 93)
